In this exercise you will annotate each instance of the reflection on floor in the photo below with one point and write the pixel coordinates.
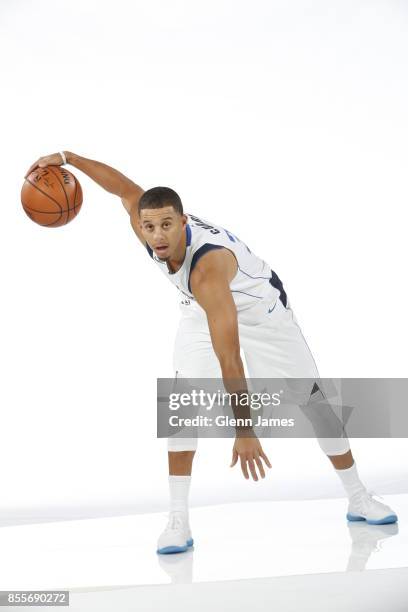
(232, 542)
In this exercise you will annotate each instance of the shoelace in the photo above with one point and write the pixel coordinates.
(359, 497)
(174, 521)
(374, 494)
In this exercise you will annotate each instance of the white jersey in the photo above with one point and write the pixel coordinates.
(254, 280)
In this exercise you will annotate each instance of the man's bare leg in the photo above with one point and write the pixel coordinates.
(180, 463)
(342, 462)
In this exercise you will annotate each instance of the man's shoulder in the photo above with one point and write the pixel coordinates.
(213, 263)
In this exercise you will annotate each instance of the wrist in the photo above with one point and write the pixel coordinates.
(70, 157)
(245, 432)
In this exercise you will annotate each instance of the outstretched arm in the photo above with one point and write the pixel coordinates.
(110, 179)
(210, 286)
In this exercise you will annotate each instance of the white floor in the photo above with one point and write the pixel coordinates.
(370, 591)
(111, 558)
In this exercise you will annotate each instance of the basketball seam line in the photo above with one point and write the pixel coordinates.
(53, 223)
(66, 197)
(62, 187)
(46, 212)
(46, 194)
(76, 188)
(47, 224)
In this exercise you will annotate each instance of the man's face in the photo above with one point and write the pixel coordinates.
(162, 228)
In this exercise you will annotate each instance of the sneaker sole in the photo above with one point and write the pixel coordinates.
(169, 550)
(391, 518)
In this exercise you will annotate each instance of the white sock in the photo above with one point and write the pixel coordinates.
(351, 481)
(179, 487)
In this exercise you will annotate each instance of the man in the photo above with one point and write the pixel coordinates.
(230, 299)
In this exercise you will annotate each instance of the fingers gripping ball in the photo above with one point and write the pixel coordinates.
(51, 196)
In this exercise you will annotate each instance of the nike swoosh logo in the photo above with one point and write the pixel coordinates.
(271, 309)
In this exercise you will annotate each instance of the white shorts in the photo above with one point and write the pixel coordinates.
(273, 347)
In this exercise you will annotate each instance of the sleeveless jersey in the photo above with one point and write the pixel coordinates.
(254, 280)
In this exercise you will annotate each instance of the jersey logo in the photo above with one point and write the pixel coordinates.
(271, 309)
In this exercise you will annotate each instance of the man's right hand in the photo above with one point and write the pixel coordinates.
(251, 454)
(107, 177)
(55, 159)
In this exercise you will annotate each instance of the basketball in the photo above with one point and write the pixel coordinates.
(51, 196)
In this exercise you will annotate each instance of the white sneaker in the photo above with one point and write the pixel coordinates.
(177, 535)
(363, 507)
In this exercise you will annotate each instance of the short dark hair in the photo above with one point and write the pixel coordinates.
(158, 197)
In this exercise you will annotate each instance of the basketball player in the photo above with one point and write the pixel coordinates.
(230, 298)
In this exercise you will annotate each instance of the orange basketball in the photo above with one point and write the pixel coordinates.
(51, 196)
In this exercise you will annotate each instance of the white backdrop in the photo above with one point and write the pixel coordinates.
(285, 122)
